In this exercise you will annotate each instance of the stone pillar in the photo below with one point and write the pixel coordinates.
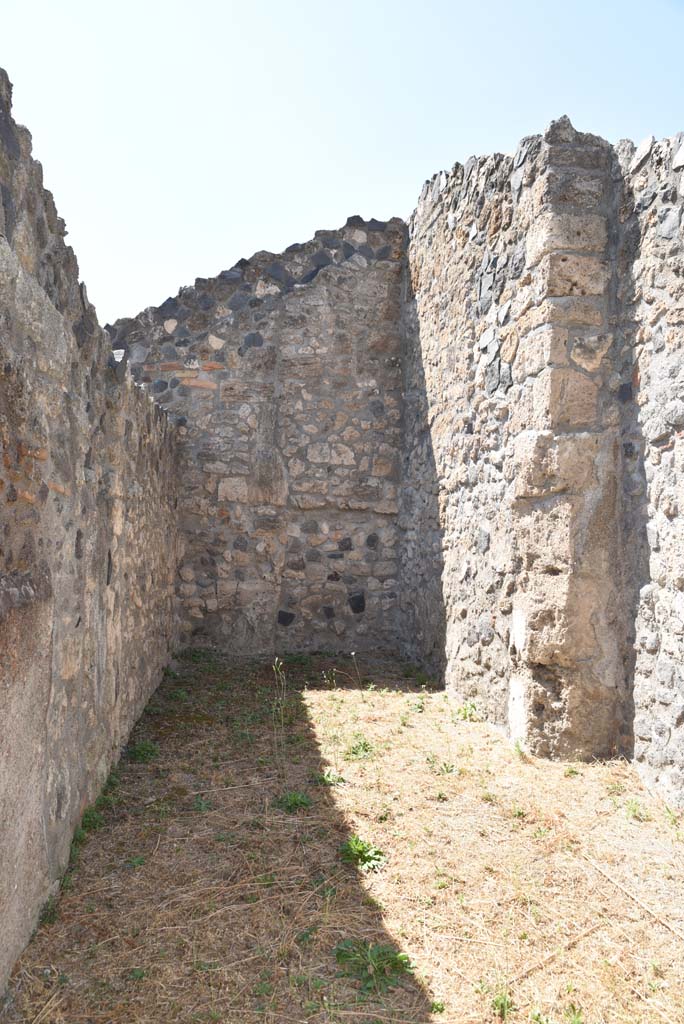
(566, 678)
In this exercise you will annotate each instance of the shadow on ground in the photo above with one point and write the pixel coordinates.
(207, 884)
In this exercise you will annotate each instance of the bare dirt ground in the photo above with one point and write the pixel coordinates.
(210, 883)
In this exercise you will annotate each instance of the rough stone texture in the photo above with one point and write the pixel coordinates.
(285, 374)
(507, 307)
(449, 456)
(650, 390)
(88, 544)
(462, 441)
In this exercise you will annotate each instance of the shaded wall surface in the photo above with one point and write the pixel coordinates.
(285, 375)
(88, 545)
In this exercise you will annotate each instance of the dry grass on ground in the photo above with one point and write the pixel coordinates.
(520, 890)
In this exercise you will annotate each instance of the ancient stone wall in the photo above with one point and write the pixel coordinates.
(465, 259)
(508, 304)
(462, 440)
(651, 322)
(285, 376)
(88, 544)
(440, 446)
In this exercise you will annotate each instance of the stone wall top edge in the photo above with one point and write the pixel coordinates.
(46, 256)
(68, 294)
(666, 153)
(288, 268)
(559, 137)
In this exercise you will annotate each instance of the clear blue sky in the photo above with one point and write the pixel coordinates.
(180, 136)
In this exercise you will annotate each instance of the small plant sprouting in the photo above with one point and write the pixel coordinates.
(200, 804)
(425, 680)
(520, 751)
(143, 752)
(573, 1014)
(180, 694)
(306, 936)
(92, 820)
(437, 1006)
(674, 820)
(671, 817)
(635, 811)
(363, 854)
(280, 698)
(502, 1004)
(359, 749)
(467, 712)
(570, 772)
(292, 801)
(328, 777)
(378, 967)
(330, 678)
(48, 914)
(108, 796)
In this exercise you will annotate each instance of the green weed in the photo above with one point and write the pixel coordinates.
(328, 777)
(48, 914)
(292, 801)
(502, 1005)
(92, 820)
(143, 752)
(376, 966)
(306, 936)
(467, 712)
(361, 853)
(330, 678)
(180, 695)
(635, 811)
(359, 749)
